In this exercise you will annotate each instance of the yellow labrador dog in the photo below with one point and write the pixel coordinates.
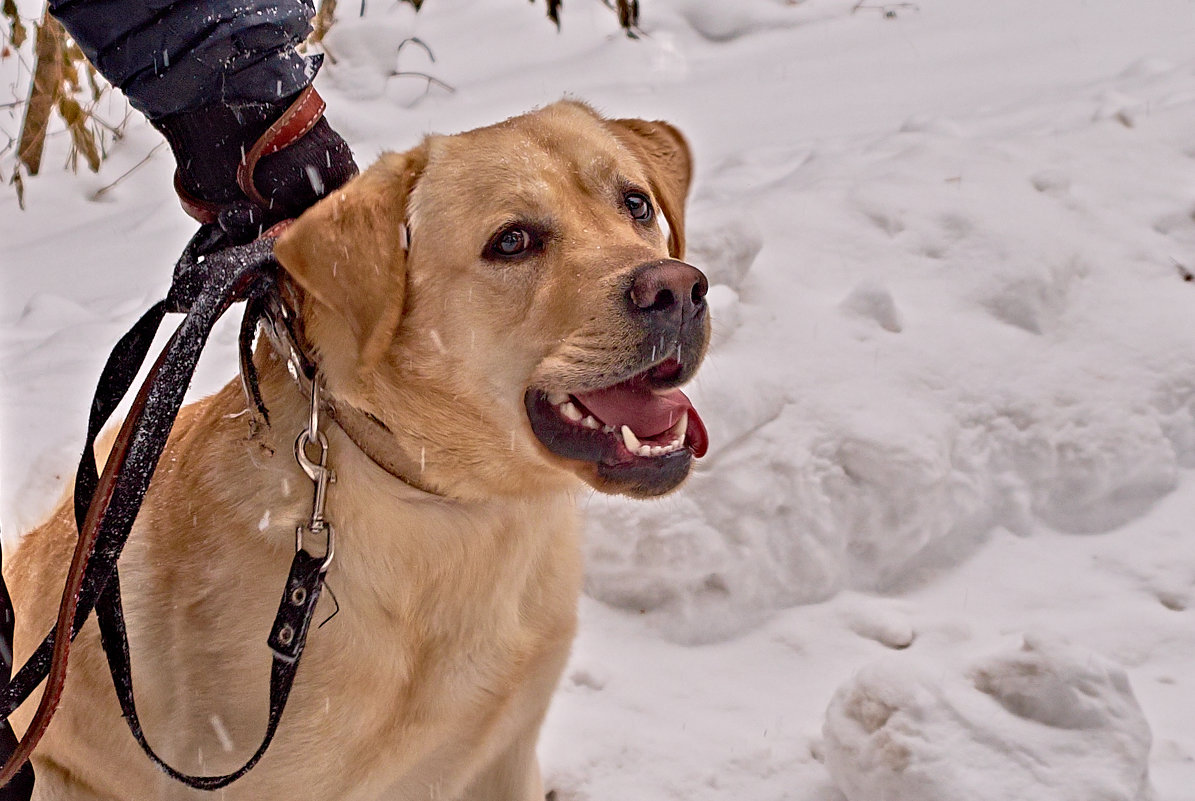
(502, 316)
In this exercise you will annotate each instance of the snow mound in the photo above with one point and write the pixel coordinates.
(1047, 722)
(719, 22)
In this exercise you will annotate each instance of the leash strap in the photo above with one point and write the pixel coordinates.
(293, 125)
(106, 505)
(21, 787)
(287, 638)
(298, 119)
(99, 533)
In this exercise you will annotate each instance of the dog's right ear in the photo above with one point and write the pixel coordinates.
(663, 151)
(348, 254)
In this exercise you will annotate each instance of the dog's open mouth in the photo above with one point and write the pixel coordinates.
(635, 431)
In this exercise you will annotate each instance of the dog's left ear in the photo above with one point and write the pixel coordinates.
(348, 254)
(663, 151)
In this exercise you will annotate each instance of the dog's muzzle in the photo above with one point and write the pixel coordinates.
(639, 430)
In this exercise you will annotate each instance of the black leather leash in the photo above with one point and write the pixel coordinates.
(21, 786)
(106, 506)
(287, 638)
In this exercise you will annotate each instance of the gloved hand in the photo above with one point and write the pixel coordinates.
(210, 143)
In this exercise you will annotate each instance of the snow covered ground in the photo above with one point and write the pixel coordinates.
(943, 546)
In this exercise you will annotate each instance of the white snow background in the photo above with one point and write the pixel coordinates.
(943, 546)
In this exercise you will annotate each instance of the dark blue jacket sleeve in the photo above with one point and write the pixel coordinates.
(169, 56)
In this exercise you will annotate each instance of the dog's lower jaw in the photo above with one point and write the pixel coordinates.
(601, 457)
(644, 480)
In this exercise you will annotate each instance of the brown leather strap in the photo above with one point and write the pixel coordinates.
(376, 441)
(277, 228)
(63, 630)
(202, 211)
(292, 126)
(371, 436)
(106, 506)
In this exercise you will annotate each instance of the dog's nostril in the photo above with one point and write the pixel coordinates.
(664, 300)
(699, 290)
(652, 298)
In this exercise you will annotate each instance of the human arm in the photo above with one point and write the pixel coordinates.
(213, 76)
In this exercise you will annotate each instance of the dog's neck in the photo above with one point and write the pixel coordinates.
(379, 518)
(376, 441)
(287, 395)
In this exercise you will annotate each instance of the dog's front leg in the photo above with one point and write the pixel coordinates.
(512, 776)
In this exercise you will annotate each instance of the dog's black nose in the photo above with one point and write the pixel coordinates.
(669, 292)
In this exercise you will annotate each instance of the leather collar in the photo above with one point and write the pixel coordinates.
(374, 439)
(371, 436)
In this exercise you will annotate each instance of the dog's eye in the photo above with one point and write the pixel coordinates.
(511, 242)
(639, 206)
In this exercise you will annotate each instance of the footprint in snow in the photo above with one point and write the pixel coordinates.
(724, 249)
(874, 302)
(1046, 722)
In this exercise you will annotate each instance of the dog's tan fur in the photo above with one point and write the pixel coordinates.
(456, 609)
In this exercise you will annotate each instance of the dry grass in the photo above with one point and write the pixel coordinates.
(64, 84)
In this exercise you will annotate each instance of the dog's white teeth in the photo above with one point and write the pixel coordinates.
(570, 411)
(678, 433)
(557, 398)
(591, 422)
(608, 429)
(630, 440)
(646, 450)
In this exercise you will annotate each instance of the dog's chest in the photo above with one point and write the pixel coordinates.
(415, 701)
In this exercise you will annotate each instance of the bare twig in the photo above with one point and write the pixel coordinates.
(99, 193)
(116, 130)
(415, 40)
(886, 9)
(1183, 272)
(431, 80)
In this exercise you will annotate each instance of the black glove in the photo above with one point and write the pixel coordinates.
(210, 143)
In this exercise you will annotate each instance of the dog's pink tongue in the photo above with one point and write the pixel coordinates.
(646, 413)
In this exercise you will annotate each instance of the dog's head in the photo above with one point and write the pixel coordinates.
(510, 303)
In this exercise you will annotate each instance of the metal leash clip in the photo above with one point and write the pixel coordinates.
(319, 474)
